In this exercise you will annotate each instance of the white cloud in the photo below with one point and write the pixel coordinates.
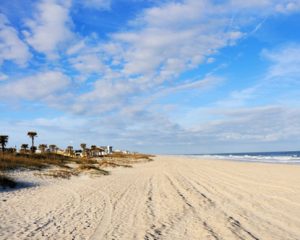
(174, 37)
(169, 40)
(243, 129)
(88, 63)
(160, 44)
(288, 7)
(278, 82)
(12, 48)
(97, 4)
(253, 124)
(253, 4)
(144, 63)
(285, 62)
(39, 86)
(3, 77)
(76, 48)
(49, 28)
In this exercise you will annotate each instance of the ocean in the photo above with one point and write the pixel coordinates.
(289, 157)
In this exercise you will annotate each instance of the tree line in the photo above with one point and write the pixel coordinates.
(86, 152)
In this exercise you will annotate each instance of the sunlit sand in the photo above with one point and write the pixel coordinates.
(169, 198)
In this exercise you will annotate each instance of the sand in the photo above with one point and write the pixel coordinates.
(169, 198)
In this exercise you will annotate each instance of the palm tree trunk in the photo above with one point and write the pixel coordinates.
(32, 144)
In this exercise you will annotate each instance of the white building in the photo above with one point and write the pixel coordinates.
(109, 149)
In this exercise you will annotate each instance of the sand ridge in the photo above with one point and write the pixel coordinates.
(169, 198)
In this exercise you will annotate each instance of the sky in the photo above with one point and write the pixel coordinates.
(177, 77)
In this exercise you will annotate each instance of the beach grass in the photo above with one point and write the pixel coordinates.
(60, 166)
(132, 156)
(32, 161)
(87, 167)
(113, 164)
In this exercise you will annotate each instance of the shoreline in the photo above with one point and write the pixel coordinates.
(232, 159)
(168, 198)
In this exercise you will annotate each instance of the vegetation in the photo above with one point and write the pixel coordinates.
(58, 173)
(113, 164)
(24, 147)
(42, 148)
(83, 146)
(3, 141)
(130, 156)
(32, 135)
(86, 167)
(70, 151)
(32, 161)
(58, 163)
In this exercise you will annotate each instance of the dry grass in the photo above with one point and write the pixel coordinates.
(133, 156)
(123, 160)
(113, 164)
(37, 161)
(58, 173)
(84, 161)
(47, 161)
(31, 161)
(68, 173)
(87, 167)
(60, 163)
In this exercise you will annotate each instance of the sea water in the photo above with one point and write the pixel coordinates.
(289, 157)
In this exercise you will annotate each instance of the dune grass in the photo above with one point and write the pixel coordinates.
(113, 164)
(10, 161)
(31, 161)
(57, 173)
(132, 156)
(56, 166)
(87, 167)
(124, 160)
(59, 166)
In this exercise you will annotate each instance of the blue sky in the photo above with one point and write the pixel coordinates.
(192, 76)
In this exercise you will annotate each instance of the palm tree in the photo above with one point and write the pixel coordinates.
(93, 150)
(52, 148)
(42, 147)
(70, 150)
(32, 135)
(88, 152)
(24, 147)
(3, 141)
(83, 146)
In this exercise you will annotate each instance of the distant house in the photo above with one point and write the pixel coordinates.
(78, 153)
(101, 151)
(106, 150)
(109, 149)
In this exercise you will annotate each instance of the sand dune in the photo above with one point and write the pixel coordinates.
(170, 198)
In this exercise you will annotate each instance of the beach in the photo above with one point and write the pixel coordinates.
(172, 197)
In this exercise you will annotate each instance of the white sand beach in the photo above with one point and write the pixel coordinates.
(169, 198)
